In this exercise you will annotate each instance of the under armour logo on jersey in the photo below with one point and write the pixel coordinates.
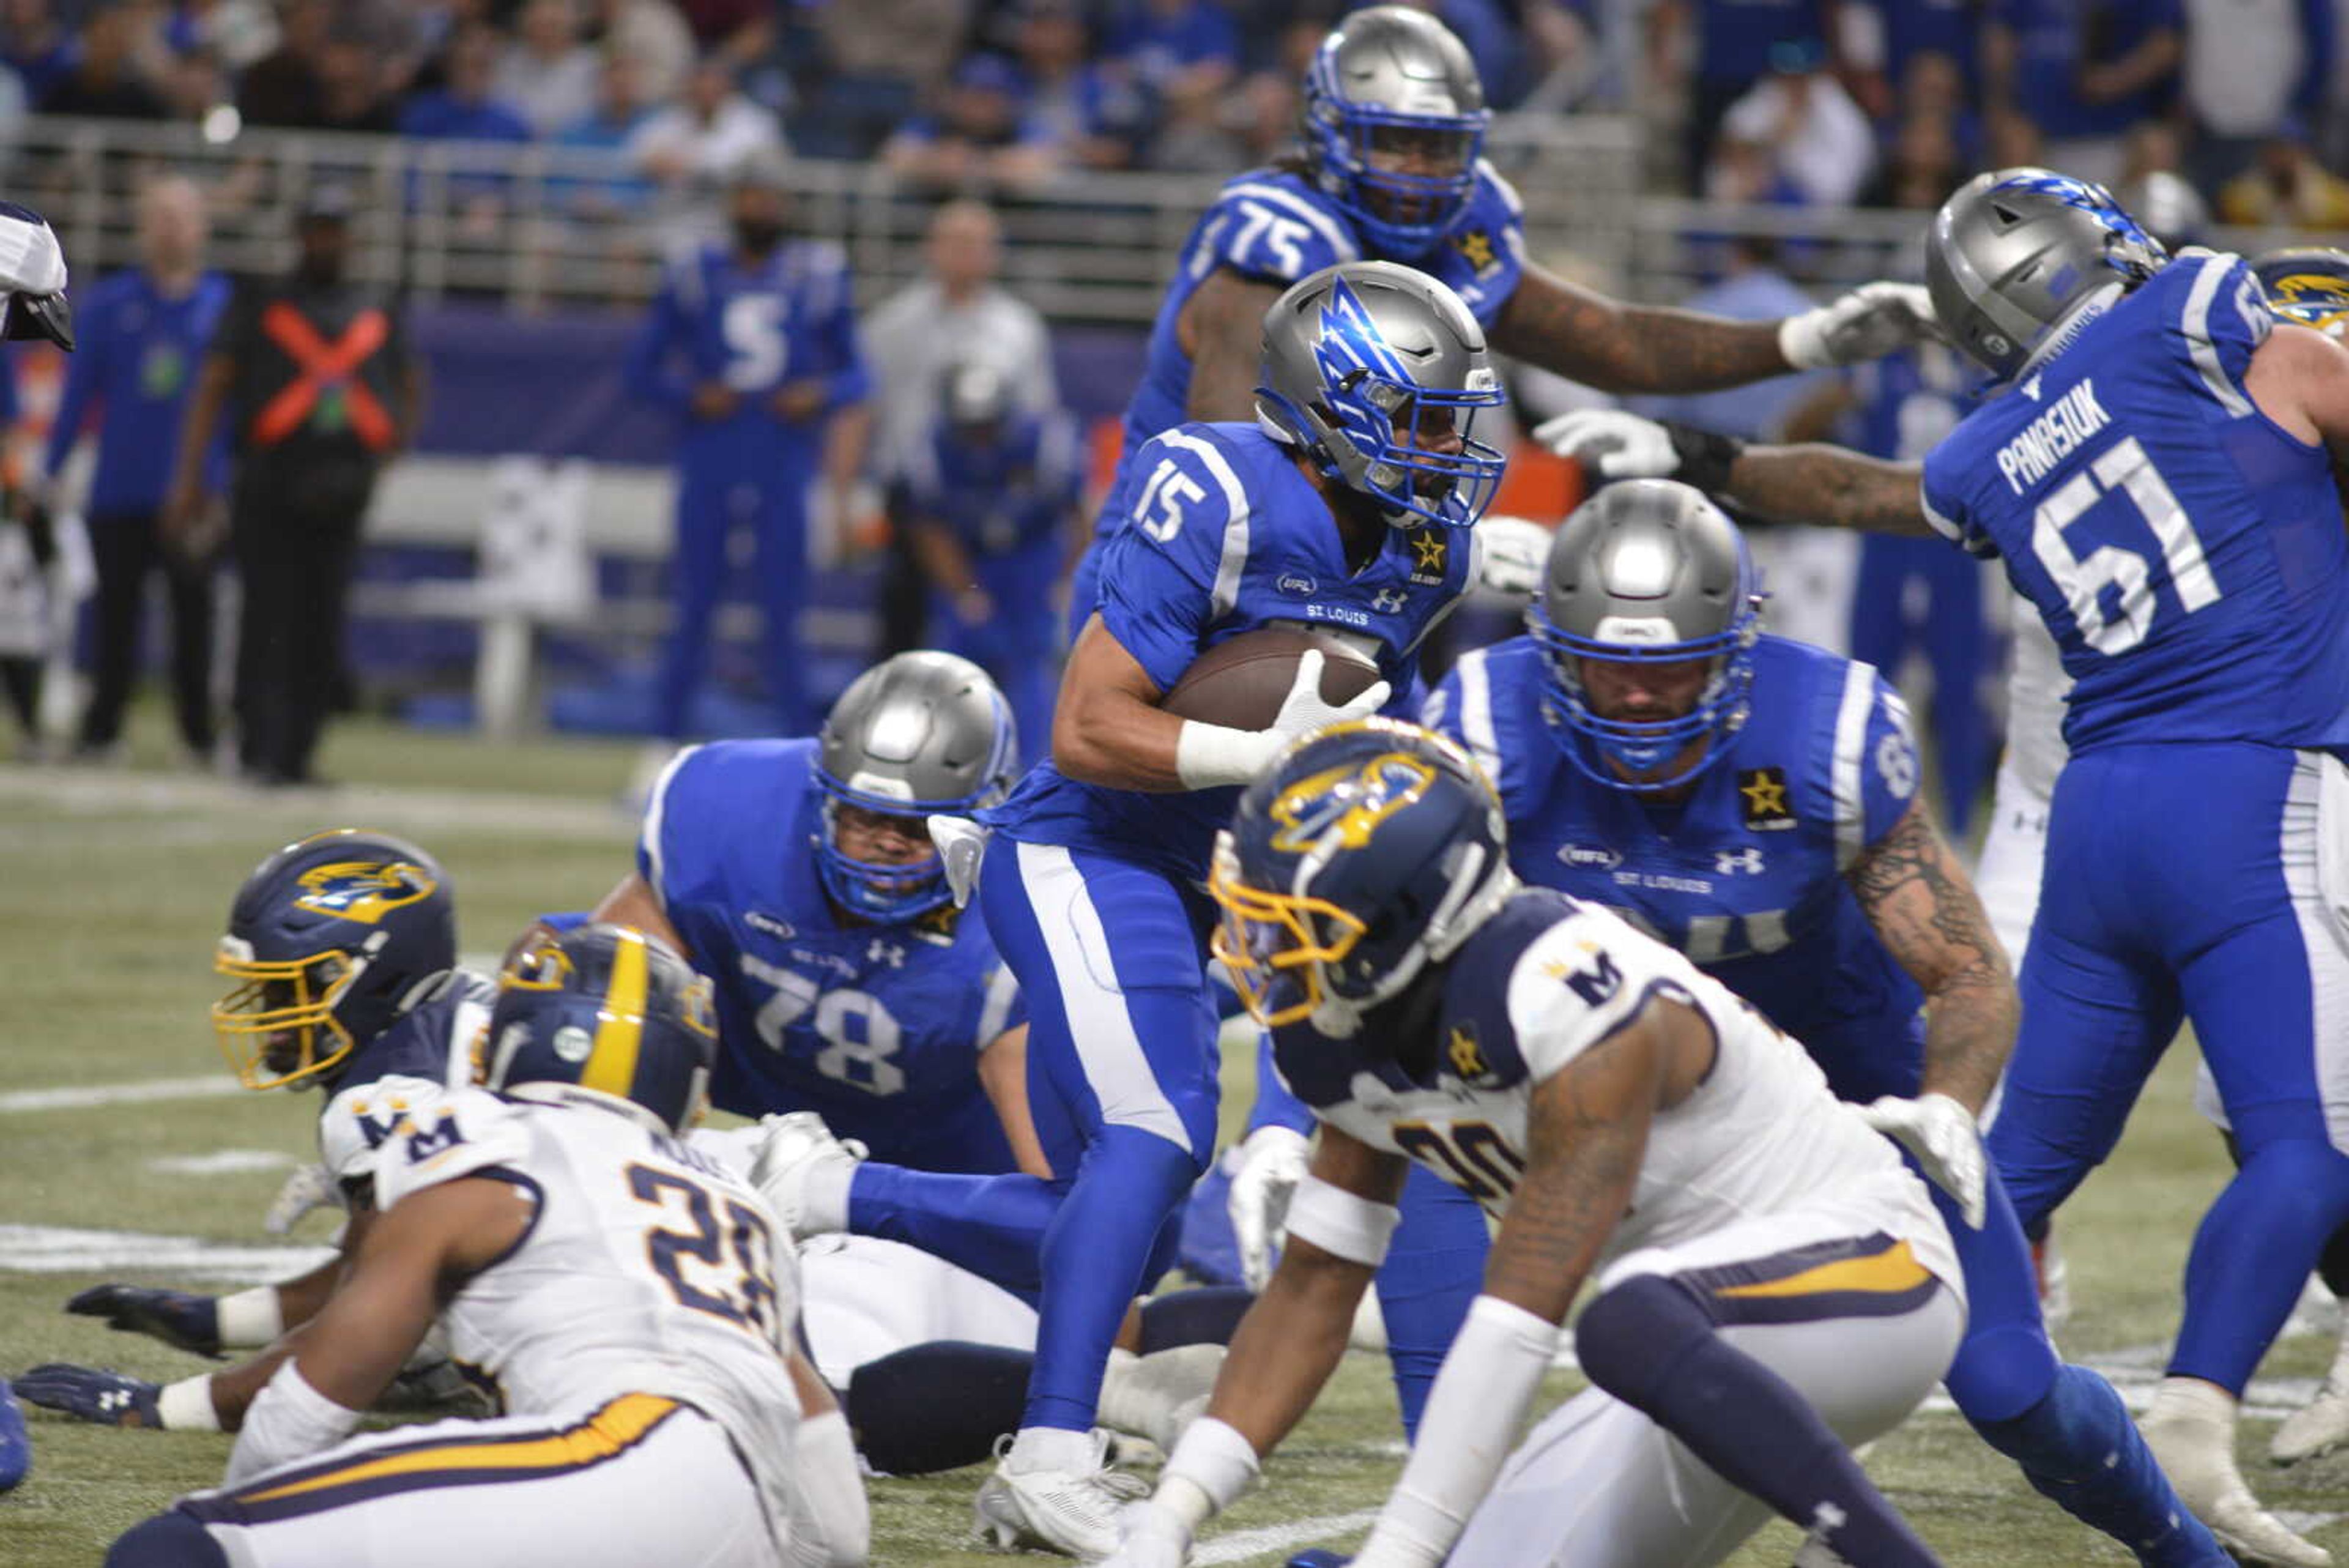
(885, 952)
(1389, 601)
(2031, 389)
(1729, 862)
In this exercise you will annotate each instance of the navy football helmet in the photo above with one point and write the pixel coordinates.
(1395, 122)
(1646, 572)
(608, 1010)
(2307, 283)
(327, 939)
(1371, 849)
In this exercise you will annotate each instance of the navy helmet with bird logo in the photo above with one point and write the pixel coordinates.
(608, 1010)
(2307, 283)
(326, 940)
(1372, 849)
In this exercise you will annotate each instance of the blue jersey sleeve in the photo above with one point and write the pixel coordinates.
(85, 373)
(2223, 315)
(650, 371)
(1887, 766)
(669, 845)
(1163, 580)
(1940, 496)
(1276, 1105)
(847, 379)
(1270, 233)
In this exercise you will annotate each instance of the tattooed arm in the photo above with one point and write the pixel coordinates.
(1828, 485)
(1924, 909)
(1621, 347)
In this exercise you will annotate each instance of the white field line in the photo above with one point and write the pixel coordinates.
(169, 794)
(64, 1250)
(1244, 1544)
(89, 1096)
(222, 1162)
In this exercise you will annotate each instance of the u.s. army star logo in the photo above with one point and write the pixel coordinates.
(1466, 1057)
(1762, 792)
(1430, 552)
(1475, 248)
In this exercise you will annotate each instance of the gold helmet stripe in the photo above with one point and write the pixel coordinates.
(620, 1022)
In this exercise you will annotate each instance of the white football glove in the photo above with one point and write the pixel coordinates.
(962, 845)
(1611, 444)
(1871, 321)
(1946, 1140)
(1208, 756)
(1271, 1163)
(1303, 711)
(1510, 555)
(1153, 1537)
(306, 1187)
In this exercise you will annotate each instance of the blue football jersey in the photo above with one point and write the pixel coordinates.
(876, 1027)
(1227, 537)
(1910, 402)
(789, 318)
(1003, 497)
(2187, 553)
(1746, 875)
(1273, 225)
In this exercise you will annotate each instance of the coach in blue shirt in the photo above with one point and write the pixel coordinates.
(143, 332)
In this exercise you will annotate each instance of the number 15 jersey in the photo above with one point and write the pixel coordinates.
(2184, 550)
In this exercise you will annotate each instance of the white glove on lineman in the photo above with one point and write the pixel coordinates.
(1611, 444)
(1871, 321)
(310, 1186)
(1510, 555)
(1271, 1163)
(1154, 1538)
(1946, 1140)
(1209, 755)
(962, 845)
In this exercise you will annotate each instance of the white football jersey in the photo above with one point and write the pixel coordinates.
(2036, 688)
(1760, 1135)
(408, 1070)
(647, 1268)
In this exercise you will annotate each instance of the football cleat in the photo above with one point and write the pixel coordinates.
(1073, 1512)
(798, 1152)
(2191, 1433)
(2322, 1425)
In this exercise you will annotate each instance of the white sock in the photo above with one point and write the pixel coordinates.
(2192, 1399)
(1049, 1449)
(823, 1195)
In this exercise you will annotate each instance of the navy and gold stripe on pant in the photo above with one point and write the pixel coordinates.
(1868, 1276)
(385, 1469)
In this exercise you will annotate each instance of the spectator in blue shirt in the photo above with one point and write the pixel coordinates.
(619, 111)
(464, 109)
(2083, 71)
(142, 335)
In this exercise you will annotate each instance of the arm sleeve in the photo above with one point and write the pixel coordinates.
(466, 1133)
(1271, 233)
(648, 372)
(1159, 579)
(1944, 510)
(668, 806)
(1888, 764)
(84, 367)
(1578, 983)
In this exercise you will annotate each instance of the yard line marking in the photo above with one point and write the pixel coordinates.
(1246, 1543)
(222, 1162)
(83, 792)
(88, 1097)
(65, 1249)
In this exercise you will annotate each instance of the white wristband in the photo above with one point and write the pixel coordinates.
(1211, 1465)
(250, 1319)
(1207, 756)
(1803, 342)
(288, 1420)
(187, 1406)
(1341, 1223)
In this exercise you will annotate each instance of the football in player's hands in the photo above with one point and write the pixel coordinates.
(177, 1318)
(1244, 681)
(92, 1394)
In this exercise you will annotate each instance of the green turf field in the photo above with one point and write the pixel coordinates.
(116, 882)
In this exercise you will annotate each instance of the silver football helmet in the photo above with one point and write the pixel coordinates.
(1651, 572)
(1395, 122)
(2016, 251)
(1365, 365)
(922, 733)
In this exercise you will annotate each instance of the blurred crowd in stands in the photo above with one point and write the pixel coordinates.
(1799, 102)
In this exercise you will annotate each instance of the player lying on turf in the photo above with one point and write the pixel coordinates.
(1773, 1282)
(1753, 802)
(634, 1304)
(343, 947)
(2158, 477)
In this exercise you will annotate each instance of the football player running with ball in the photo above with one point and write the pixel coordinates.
(632, 1302)
(1774, 1284)
(1348, 506)
(2158, 477)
